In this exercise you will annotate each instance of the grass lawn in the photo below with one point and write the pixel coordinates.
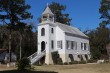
(77, 68)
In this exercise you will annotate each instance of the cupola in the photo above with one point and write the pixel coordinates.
(47, 15)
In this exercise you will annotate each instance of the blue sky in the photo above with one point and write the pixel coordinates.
(84, 13)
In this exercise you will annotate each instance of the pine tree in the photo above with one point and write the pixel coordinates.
(12, 13)
(60, 16)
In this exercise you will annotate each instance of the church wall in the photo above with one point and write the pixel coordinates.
(79, 41)
(77, 51)
(43, 38)
(61, 36)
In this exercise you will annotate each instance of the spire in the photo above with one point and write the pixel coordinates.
(47, 11)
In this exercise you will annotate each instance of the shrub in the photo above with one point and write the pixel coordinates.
(75, 62)
(24, 64)
(82, 62)
(70, 63)
(65, 63)
(59, 61)
(56, 58)
(90, 61)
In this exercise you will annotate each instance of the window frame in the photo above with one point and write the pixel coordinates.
(43, 32)
(52, 30)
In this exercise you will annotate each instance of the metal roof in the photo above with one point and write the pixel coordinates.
(66, 28)
(47, 11)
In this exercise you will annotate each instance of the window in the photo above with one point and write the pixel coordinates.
(52, 31)
(42, 32)
(59, 44)
(52, 44)
(81, 46)
(71, 45)
(85, 46)
(75, 45)
(67, 44)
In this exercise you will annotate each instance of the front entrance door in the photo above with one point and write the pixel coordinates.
(42, 46)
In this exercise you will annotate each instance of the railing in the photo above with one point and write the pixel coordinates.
(32, 56)
(36, 56)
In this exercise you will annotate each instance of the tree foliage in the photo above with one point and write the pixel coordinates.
(98, 41)
(60, 16)
(24, 64)
(105, 11)
(13, 14)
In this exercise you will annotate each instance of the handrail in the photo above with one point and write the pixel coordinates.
(35, 54)
(35, 58)
(31, 56)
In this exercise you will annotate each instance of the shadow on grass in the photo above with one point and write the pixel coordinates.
(17, 71)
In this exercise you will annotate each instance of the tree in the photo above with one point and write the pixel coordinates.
(98, 40)
(105, 11)
(108, 50)
(12, 13)
(3, 36)
(60, 16)
(58, 11)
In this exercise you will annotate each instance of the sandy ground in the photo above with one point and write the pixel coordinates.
(4, 67)
(76, 68)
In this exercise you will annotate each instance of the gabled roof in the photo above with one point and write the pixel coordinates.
(47, 11)
(69, 30)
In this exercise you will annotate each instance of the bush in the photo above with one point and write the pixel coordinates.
(56, 58)
(65, 63)
(59, 61)
(82, 62)
(70, 63)
(75, 62)
(90, 61)
(24, 64)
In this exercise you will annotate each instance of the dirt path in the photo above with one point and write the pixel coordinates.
(4, 67)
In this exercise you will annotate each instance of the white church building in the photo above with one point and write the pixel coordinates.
(70, 43)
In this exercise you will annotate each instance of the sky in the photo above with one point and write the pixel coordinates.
(84, 13)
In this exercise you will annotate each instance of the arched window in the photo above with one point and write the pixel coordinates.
(42, 32)
(52, 31)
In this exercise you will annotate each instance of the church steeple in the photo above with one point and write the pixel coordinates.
(47, 15)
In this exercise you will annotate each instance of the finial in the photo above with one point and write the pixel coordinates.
(47, 4)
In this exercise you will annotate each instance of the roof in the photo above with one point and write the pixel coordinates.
(69, 30)
(47, 11)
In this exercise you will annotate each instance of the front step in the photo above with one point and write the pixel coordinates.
(36, 57)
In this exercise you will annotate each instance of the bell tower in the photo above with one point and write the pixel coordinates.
(47, 15)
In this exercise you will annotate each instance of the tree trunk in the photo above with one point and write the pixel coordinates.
(20, 46)
(10, 47)
(108, 51)
(109, 58)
